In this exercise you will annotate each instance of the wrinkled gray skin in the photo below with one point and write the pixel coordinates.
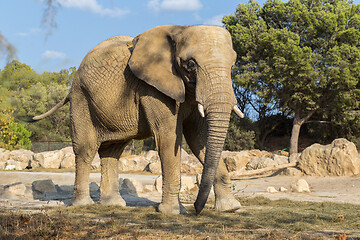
(151, 86)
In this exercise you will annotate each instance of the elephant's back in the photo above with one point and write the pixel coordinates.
(102, 75)
(116, 49)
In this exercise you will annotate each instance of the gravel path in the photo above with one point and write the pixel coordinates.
(334, 189)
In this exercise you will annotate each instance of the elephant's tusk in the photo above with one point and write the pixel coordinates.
(201, 110)
(238, 111)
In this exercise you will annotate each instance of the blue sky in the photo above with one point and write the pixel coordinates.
(82, 24)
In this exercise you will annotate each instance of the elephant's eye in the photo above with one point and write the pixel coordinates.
(190, 65)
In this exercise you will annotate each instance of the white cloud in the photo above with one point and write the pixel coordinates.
(32, 31)
(48, 54)
(175, 5)
(216, 20)
(92, 6)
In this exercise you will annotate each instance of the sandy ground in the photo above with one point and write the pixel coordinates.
(334, 189)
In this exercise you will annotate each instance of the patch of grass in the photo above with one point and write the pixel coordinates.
(260, 218)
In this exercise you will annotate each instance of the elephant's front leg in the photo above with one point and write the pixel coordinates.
(195, 132)
(168, 143)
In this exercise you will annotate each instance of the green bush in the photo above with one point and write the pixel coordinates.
(13, 135)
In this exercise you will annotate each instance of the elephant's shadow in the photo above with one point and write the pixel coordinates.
(64, 193)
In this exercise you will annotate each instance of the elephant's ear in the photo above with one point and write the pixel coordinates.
(152, 60)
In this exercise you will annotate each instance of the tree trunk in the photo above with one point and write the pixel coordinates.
(295, 132)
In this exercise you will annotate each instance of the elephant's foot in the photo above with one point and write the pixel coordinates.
(177, 208)
(227, 204)
(115, 199)
(81, 201)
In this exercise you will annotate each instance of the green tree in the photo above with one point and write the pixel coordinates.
(38, 99)
(17, 75)
(29, 93)
(301, 56)
(240, 135)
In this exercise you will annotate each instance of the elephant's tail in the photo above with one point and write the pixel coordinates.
(64, 101)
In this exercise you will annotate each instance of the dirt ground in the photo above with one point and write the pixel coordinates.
(333, 189)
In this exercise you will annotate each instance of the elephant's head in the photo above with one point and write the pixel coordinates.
(196, 60)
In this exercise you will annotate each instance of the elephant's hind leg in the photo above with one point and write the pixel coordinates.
(109, 186)
(195, 134)
(84, 155)
(85, 145)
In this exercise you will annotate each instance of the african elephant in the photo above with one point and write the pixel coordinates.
(167, 82)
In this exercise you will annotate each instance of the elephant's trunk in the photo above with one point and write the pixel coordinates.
(218, 106)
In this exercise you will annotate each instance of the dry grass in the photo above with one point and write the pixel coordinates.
(260, 218)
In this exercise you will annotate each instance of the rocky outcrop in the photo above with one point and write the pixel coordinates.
(340, 158)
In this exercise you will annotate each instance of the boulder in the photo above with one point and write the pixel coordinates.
(271, 190)
(340, 158)
(4, 155)
(68, 161)
(187, 183)
(2, 165)
(190, 165)
(44, 186)
(17, 189)
(132, 163)
(154, 167)
(292, 171)
(130, 186)
(300, 186)
(94, 187)
(50, 159)
(152, 156)
(260, 162)
(67, 188)
(235, 161)
(10, 167)
(21, 155)
(149, 188)
(280, 160)
(15, 165)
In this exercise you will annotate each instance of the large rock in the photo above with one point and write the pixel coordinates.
(51, 159)
(4, 155)
(68, 159)
(15, 165)
(130, 186)
(154, 167)
(187, 183)
(2, 165)
(190, 165)
(340, 158)
(152, 156)
(21, 155)
(260, 162)
(237, 161)
(300, 186)
(17, 189)
(44, 186)
(132, 163)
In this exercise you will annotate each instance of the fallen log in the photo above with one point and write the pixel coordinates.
(249, 173)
